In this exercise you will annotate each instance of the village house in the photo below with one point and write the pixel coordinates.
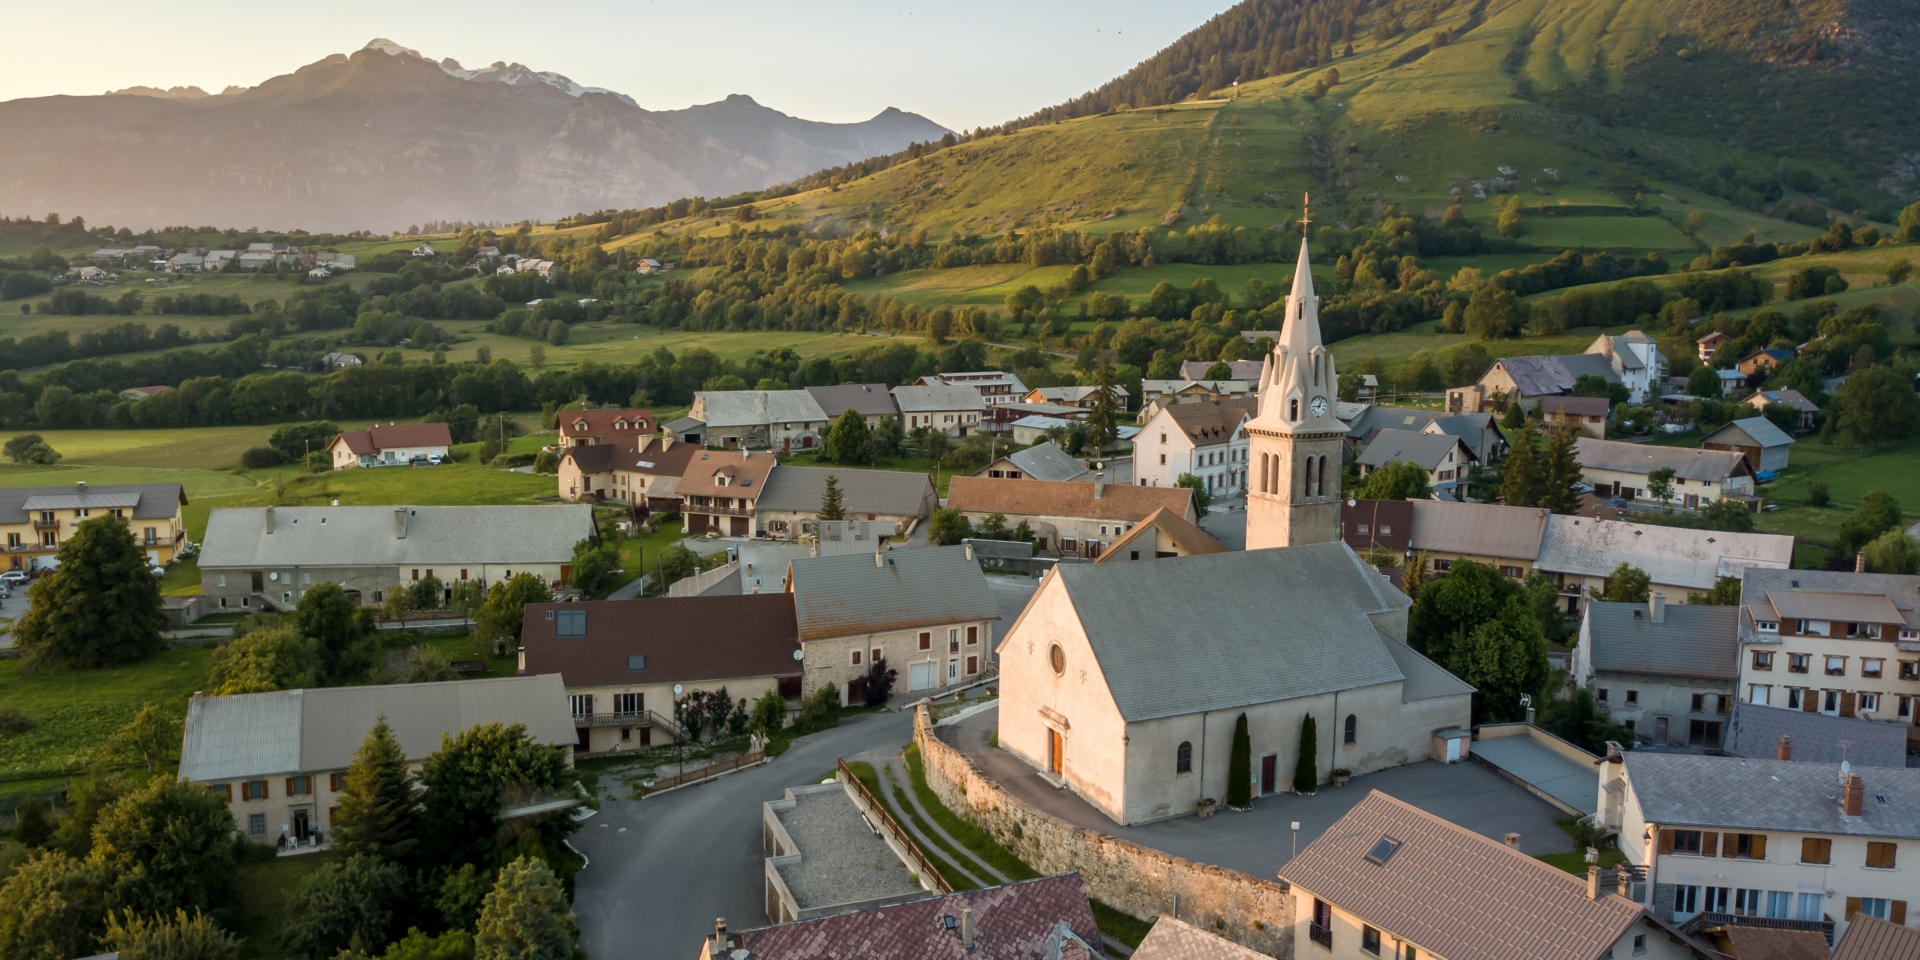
(1246, 371)
(1042, 461)
(1365, 420)
(1759, 731)
(1761, 361)
(624, 663)
(925, 612)
(1768, 842)
(761, 419)
(1447, 462)
(1077, 396)
(279, 760)
(1710, 343)
(647, 478)
(1585, 414)
(1068, 518)
(1525, 380)
(1369, 389)
(1155, 394)
(1755, 438)
(719, 489)
(1635, 361)
(1623, 471)
(335, 360)
(1792, 399)
(1036, 428)
(954, 410)
(424, 249)
(396, 444)
(1388, 879)
(1669, 671)
(1161, 535)
(790, 506)
(37, 520)
(1476, 431)
(1207, 439)
(995, 386)
(870, 401)
(1842, 644)
(628, 426)
(1088, 694)
(1002, 418)
(1579, 553)
(266, 558)
(142, 393)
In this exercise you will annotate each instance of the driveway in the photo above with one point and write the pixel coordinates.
(662, 869)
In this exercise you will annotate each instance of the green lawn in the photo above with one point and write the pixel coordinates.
(1849, 474)
(75, 712)
(1637, 234)
(640, 555)
(1393, 349)
(903, 462)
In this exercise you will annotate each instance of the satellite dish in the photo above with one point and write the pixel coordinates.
(676, 689)
(1845, 768)
(275, 575)
(798, 655)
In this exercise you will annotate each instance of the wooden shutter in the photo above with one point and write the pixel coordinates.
(289, 786)
(1666, 841)
(226, 790)
(1731, 848)
(1810, 701)
(1897, 912)
(1853, 907)
(1759, 846)
(1846, 703)
(1710, 843)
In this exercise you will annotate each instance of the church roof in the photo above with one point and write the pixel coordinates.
(1230, 630)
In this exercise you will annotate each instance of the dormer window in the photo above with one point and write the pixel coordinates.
(579, 424)
(721, 480)
(619, 424)
(1768, 626)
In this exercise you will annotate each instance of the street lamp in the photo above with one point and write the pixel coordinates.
(1296, 838)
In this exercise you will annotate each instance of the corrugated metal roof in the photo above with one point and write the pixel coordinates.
(1453, 892)
(938, 398)
(1759, 430)
(365, 536)
(1046, 461)
(1278, 624)
(891, 493)
(1688, 790)
(1480, 529)
(1674, 556)
(1871, 938)
(912, 587)
(1690, 641)
(1644, 458)
(1833, 605)
(248, 735)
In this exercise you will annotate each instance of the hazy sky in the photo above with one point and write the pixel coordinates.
(963, 64)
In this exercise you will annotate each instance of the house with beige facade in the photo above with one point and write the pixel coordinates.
(1042, 461)
(1805, 410)
(624, 663)
(925, 611)
(1666, 670)
(627, 426)
(1207, 438)
(1770, 842)
(1161, 535)
(1090, 694)
(37, 520)
(1446, 461)
(995, 386)
(648, 477)
(719, 490)
(1579, 553)
(956, 410)
(1068, 518)
(396, 444)
(1389, 880)
(1585, 414)
(759, 419)
(1842, 644)
(872, 402)
(279, 760)
(790, 506)
(1620, 470)
(1526, 381)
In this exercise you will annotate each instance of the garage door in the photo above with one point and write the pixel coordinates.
(920, 676)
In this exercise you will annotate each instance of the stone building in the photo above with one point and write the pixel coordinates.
(926, 611)
(1666, 670)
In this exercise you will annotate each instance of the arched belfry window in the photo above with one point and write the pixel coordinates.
(1293, 410)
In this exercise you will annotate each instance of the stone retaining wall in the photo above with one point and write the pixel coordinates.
(1126, 876)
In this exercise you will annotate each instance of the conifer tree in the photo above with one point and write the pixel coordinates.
(1560, 469)
(525, 916)
(833, 505)
(377, 812)
(1240, 767)
(1521, 476)
(1306, 773)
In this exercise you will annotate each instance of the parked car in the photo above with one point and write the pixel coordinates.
(14, 576)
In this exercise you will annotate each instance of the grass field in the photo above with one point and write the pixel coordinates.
(1393, 349)
(1635, 234)
(1849, 474)
(76, 712)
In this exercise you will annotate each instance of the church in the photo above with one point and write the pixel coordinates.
(1124, 682)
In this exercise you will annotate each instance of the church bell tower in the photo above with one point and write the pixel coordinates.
(1295, 441)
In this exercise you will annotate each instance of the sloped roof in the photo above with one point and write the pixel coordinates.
(1454, 892)
(890, 493)
(1763, 591)
(745, 473)
(1766, 943)
(1425, 680)
(1395, 516)
(1677, 556)
(1046, 461)
(296, 731)
(1760, 430)
(1425, 450)
(1482, 529)
(1237, 369)
(1576, 406)
(918, 586)
(1183, 532)
(601, 422)
(865, 399)
(1213, 420)
(365, 536)
(1644, 458)
(1174, 939)
(1385, 418)
(1755, 731)
(1542, 375)
(1323, 594)
(1064, 498)
(683, 639)
(1689, 790)
(150, 501)
(1871, 938)
(937, 398)
(1471, 428)
(1787, 395)
(1015, 921)
(377, 438)
(755, 408)
(1690, 641)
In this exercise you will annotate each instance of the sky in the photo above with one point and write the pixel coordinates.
(962, 64)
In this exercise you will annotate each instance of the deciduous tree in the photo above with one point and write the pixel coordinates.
(1893, 552)
(166, 845)
(263, 660)
(99, 608)
(848, 440)
(183, 936)
(52, 908)
(1877, 405)
(346, 903)
(1397, 480)
(947, 527)
(498, 622)
(1626, 584)
(1202, 498)
(472, 776)
(526, 916)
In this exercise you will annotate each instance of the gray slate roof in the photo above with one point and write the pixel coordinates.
(1387, 418)
(1644, 458)
(910, 587)
(865, 399)
(1251, 627)
(1675, 556)
(1046, 461)
(891, 493)
(1689, 790)
(1544, 375)
(1425, 679)
(1873, 589)
(1755, 731)
(150, 501)
(308, 731)
(1425, 450)
(1758, 429)
(1690, 641)
(938, 398)
(1471, 428)
(364, 536)
(754, 408)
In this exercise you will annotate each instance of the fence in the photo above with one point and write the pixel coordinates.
(879, 814)
(711, 770)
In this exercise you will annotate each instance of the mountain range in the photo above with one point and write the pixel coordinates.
(386, 137)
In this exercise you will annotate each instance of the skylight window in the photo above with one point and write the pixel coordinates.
(1383, 850)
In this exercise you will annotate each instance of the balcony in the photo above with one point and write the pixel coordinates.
(1706, 921)
(42, 523)
(1322, 935)
(746, 511)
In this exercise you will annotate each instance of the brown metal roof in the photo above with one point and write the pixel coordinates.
(377, 438)
(744, 473)
(1015, 921)
(1481, 529)
(682, 638)
(1452, 892)
(662, 456)
(1577, 406)
(1063, 498)
(1767, 943)
(596, 423)
(1183, 532)
(1834, 605)
(1871, 938)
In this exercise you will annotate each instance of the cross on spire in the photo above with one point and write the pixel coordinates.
(1306, 211)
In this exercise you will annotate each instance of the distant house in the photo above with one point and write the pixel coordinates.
(1578, 553)
(1755, 438)
(338, 361)
(1035, 428)
(627, 425)
(1732, 382)
(1207, 439)
(1635, 361)
(186, 263)
(1155, 394)
(646, 477)
(1075, 519)
(1525, 380)
(543, 268)
(1476, 431)
(1042, 461)
(1621, 470)
(488, 253)
(1161, 535)
(1077, 396)
(424, 249)
(35, 521)
(141, 393)
(926, 611)
(1792, 399)
(954, 410)
(1761, 361)
(790, 506)
(1586, 414)
(776, 419)
(1447, 462)
(257, 260)
(995, 386)
(1709, 343)
(648, 265)
(395, 444)
(1369, 388)
(872, 402)
(1369, 420)
(720, 489)
(1667, 670)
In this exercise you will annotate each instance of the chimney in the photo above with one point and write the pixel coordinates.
(1593, 881)
(666, 443)
(267, 517)
(969, 545)
(966, 927)
(1784, 751)
(399, 523)
(1513, 840)
(1530, 715)
(719, 946)
(1657, 608)
(1853, 794)
(80, 486)
(1860, 562)
(879, 561)
(1623, 881)
(1099, 484)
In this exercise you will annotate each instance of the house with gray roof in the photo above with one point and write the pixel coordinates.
(759, 419)
(923, 612)
(1666, 670)
(1579, 553)
(266, 558)
(955, 409)
(1840, 643)
(1124, 681)
(1447, 462)
(35, 521)
(790, 505)
(1755, 438)
(873, 402)
(280, 759)
(1042, 461)
(1524, 380)
(1761, 731)
(1624, 471)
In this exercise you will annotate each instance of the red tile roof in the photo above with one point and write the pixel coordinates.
(745, 474)
(1062, 498)
(1016, 921)
(683, 639)
(377, 438)
(601, 423)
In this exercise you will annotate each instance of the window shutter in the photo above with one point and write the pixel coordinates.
(1666, 841)
(1709, 843)
(226, 790)
(1853, 907)
(1897, 912)
(1759, 846)
(289, 786)
(1731, 847)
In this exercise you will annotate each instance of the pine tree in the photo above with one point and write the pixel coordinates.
(1521, 475)
(525, 916)
(833, 505)
(1102, 420)
(1240, 767)
(377, 814)
(1306, 773)
(1560, 468)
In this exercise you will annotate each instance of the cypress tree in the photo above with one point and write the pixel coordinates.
(1306, 774)
(1240, 767)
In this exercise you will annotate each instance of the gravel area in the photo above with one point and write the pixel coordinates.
(841, 859)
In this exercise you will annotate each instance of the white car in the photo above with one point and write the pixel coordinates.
(434, 459)
(14, 576)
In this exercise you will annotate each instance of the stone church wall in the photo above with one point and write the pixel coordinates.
(1133, 879)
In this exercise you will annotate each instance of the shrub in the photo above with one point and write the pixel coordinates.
(14, 720)
(1817, 494)
(260, 458)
